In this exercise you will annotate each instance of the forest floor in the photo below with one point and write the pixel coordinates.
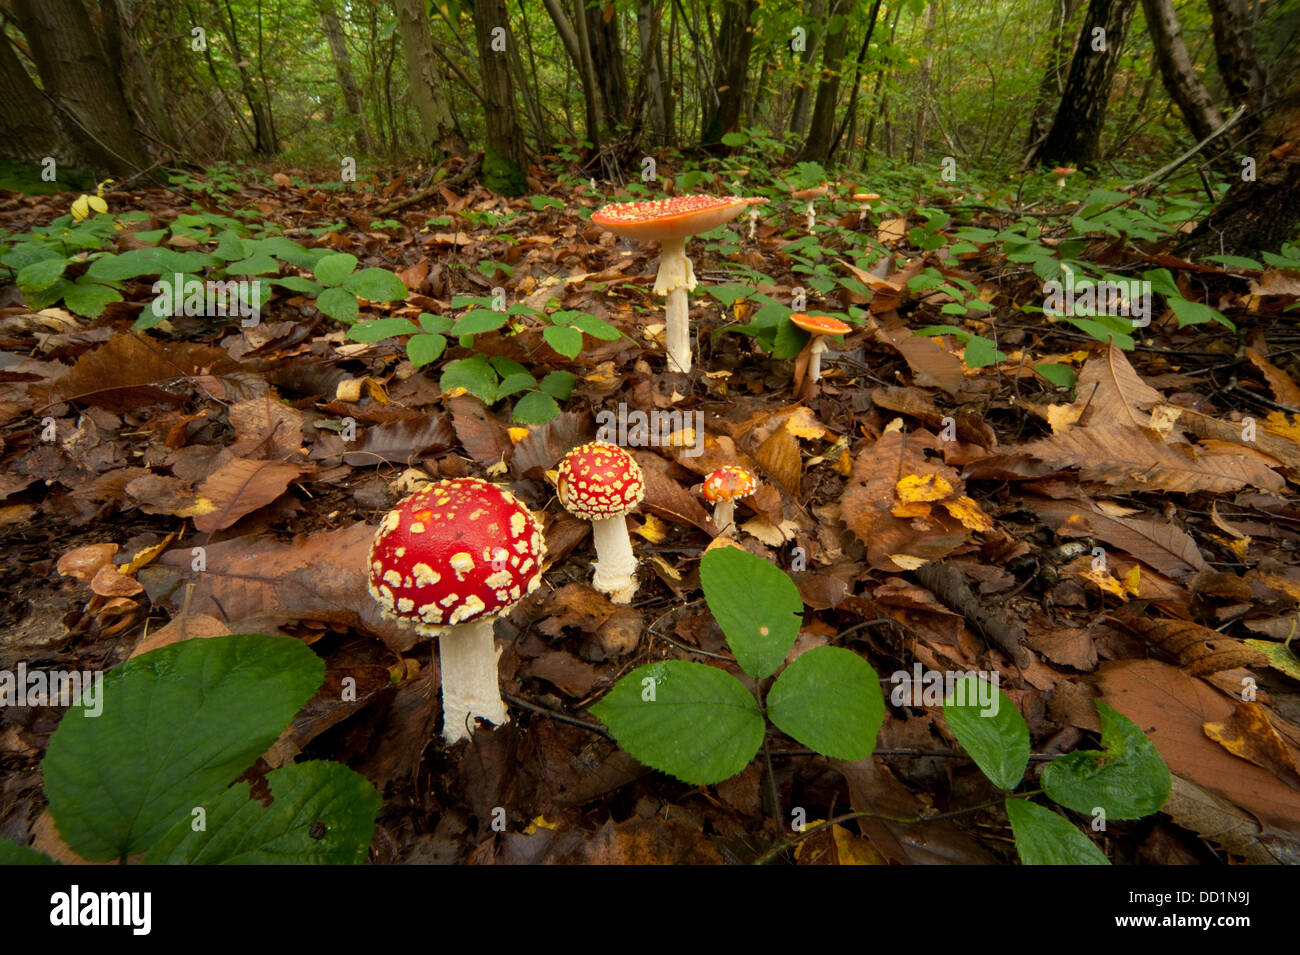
(1132, 540)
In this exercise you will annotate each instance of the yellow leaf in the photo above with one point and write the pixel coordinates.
(922, 487)
(80, 207)
(96, 203)
(145, 556)
(517, 434)
(914, 509)
(541, 822)
(907, 561)
(1107, 583)
(804, 424)
(854, 850)
(969, 513)
(1133, 579)
(667, 569)
(653, 530)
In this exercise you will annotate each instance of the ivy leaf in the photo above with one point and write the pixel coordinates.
(423, 349)
(829, 699)
(998, 741)
(474, 374)
(339, 304)
(1044, 837)
(558, 384)
(689, 720)
(41, 275)
(381, 328)
(176, 725)
(536, 407)
(479, 320)
(377, 285)
(1128, 779)
(89, 299)
(322, 813)
(333, 269)
(756, 604)
(567, 341)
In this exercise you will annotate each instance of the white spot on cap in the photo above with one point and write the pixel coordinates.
(462, 563)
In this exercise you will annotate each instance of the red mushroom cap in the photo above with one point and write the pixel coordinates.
(673, 218)
(729, 483)
(1064, 171)
(813, 193)
(599, 480)
(455, 551)
(820, 324)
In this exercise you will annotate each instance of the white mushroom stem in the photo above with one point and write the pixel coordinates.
(753, 223)
(812, 215)
(815, 357)
(467, 657)
(615, 562)
(676, 279)
(724, 515)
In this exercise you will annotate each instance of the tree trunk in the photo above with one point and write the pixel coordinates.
(726, 99)
(803, 82)
(147, 99)
(91, 106)
(343, 67)
(579, 56)
(441, 135)
(924, 86)
(503, 159)
(1183, 85)
(265, 141)
(1258, 216)
(817, 146)
(1052, 85)
(28, 131)
(1234, 48)
(1075, 136)
(607, 61)
(658, 109)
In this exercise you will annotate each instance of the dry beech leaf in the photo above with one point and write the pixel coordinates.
(779, 457)
(1198, 649)
(239, 488)
(1249, 734)
(1216, 820)
(1113, 392)
(129, 371)
(401, 441)
(1284, 389)
(930, 362)
(1157, 544)
(266, 425)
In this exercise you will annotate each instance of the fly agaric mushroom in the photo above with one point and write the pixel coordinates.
(447, 561)
(1061, 172)
(865, 198)
(602, 483)
(819, 326)
(811, 195)
(670, 222)
(722, 488)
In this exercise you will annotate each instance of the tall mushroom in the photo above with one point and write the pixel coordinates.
(1062, 173)
(446, 562)
(722, 488)
(670, 222)
(819, 326)
(602, 483)
(866, 199)
(811, 195)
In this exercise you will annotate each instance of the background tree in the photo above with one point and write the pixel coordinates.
(503, 160)
(1075, 136)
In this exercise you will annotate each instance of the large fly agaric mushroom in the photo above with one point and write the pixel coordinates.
(811, 195)
(819, 326)
(447, 561)
(722, 488)
(1061, 172)
(670, 222)
(602, 483)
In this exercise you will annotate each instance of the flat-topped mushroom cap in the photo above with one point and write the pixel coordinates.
(453, 552)
(865, 197)
(820, 324)
(810, 193)
(599, 480)
(729, 484)
(674, 218)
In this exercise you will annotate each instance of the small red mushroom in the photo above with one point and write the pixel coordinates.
(670, 222)
(819, 326)
(602, 483)
(446, 562)
(722, 488)
(1061, 172)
